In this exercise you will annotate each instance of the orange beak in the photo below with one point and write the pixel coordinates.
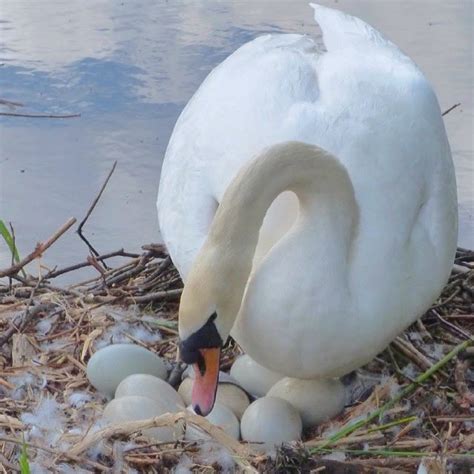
(205, 382)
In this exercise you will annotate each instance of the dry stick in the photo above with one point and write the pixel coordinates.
(26, 318)
(460, 382)
(142, 261)
(407, 390)
(9, 439)
(451, 326)
(89, 212)
(410, 351)
(170, 295)
(118, 253)
(446, 112)
(39, 250)
(348, 440)
(150, 279)
(108, 273)
(4, 462)
(239, 451)
(14, 114)
(11, 422)
(10, 103)
(12, 261)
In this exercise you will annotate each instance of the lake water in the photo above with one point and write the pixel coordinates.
(129, 68)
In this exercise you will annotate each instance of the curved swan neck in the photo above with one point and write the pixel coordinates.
(310, 172)
(219, 275)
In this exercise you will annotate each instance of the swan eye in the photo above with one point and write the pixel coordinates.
(204, 338)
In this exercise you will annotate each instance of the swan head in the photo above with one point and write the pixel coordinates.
(209, 304)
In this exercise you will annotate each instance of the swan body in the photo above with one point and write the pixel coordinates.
(344, 156)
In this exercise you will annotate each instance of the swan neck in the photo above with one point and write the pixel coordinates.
(316, 177)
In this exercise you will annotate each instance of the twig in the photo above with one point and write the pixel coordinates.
(348, 440)
(451, 326)
(29, 444)
(150, 280)
(168, 419)
(142, 261)
(89, 212)
(460, 381)
(14, 114)
(25, 319)
(11, 421)
(170, 295)
(12, 261)
(446, 112)
(118, 253)
(39, 250)
(10, 103)
(403, 393)
(402, 454)
(410, 351)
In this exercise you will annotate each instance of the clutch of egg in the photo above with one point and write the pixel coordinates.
(135, 377)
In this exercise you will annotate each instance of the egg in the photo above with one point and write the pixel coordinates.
(110, 365)
(227, 394)
(232, 397)
(185, 390)
(253, 377)
(271, 421)
(220, 416)
(316, 400)
(152, 387)
(134, 408)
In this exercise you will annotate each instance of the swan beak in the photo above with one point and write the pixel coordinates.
(206, 372)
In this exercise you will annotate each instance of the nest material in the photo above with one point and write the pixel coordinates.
(413, 403)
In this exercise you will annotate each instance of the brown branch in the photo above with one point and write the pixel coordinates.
(24, 320)
(446, 112)
(170, 295)
(10, 103)
(14, 114)
(168, 419)
(410, 351)
(61, 454)
(39, 250)
(150, 280)
(118, 253)
(117, 278)
(467, 397)
(89, 212)
(455, 329)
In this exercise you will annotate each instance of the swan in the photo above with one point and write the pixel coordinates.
(308, 200)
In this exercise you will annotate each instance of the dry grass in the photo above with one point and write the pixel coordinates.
(50, 331)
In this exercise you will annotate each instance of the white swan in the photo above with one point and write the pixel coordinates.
(356, 134)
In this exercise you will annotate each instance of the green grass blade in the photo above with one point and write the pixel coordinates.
(7, 236)
(347, 430)
(23, 460)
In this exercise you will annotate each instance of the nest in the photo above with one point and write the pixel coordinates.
(413, 403)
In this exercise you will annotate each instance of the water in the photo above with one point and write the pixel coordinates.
(129, 68)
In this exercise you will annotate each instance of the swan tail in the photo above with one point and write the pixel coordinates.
(341, 30)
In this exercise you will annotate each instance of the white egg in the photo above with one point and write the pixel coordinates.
(316, 400)
(253, 377)
(271, 421)
(136, 408)
(152, 387)
(228, 394)
(110, 365)
(220, 416)
(185, 390)
(232, 397)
